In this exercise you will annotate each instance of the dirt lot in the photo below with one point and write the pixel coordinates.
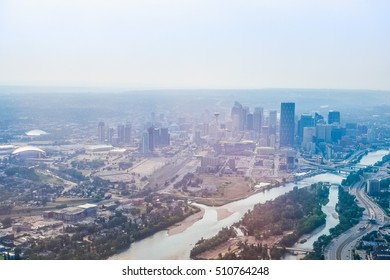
(149, 166)
(228, 188)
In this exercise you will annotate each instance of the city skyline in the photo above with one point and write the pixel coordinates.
(195, 130)
(129, 168)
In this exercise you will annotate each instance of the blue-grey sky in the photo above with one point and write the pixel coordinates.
(196, 43)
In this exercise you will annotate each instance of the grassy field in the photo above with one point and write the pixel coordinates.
(1, 258)
(44, 178)
(69, 201)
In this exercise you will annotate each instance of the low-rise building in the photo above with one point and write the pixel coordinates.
(72, 214)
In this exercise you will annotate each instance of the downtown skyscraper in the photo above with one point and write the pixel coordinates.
(101, 132)
(333, 117)
(287, 124)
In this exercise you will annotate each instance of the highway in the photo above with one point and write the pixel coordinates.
(341, 247)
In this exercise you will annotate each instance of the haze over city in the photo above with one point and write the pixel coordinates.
(178, 130)
(195, 44)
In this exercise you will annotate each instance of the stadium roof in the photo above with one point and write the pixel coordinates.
(102, 147)
(36, 132)
(27, 149)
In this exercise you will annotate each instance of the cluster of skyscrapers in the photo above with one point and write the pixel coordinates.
(308, 131)
(244, 120)
(155, 137)
(106, 134)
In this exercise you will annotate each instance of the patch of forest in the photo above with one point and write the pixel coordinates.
(290, 215)
(349, 215)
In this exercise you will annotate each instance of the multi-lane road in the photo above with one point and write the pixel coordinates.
(341, 247)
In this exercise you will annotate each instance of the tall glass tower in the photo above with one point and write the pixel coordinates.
(287, 124)
(333, 117)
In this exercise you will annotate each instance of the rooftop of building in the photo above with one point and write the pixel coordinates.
(27, 149)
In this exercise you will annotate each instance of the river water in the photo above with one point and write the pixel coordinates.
(330, 208)
(373, 157)
(331, 221)
(162, 246)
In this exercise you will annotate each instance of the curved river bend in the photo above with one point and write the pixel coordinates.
(162, 246)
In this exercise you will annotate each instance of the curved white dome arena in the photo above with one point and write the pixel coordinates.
(36, 132)
(29, 151)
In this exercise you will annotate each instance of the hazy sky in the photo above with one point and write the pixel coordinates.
(196, 43)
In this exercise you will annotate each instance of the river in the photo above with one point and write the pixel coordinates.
(162, 246)
(331, 221)
(330, 208)
(373, 157)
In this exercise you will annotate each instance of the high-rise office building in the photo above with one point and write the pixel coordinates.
(121, 133)
(309, 138)
(237, 116)
(151, 137)
(145, 143)
(309, 135)
(101, 133)
(110, 135)
(337, 133)
(272, 121)
(258, 119)
(249, 121)
(164, 137)
(324, 132)
(318, 118)
(245, 113)
(287, 124)
(306, 120)
(333, 117)
(127, 134)
(158, 137)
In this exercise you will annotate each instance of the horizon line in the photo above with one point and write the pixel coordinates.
(128, 88)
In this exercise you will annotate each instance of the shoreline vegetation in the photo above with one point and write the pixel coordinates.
(269, 227)
(349, 215)
(105, 238)
(67, 246)
(223, 213)
(186, 223)
(119, 232)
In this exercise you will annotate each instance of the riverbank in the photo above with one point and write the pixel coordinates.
(186, 223)
(178, 246)
(280, 223)
(222, 214)
(233, 246)
(164, 246)
(221, 201)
